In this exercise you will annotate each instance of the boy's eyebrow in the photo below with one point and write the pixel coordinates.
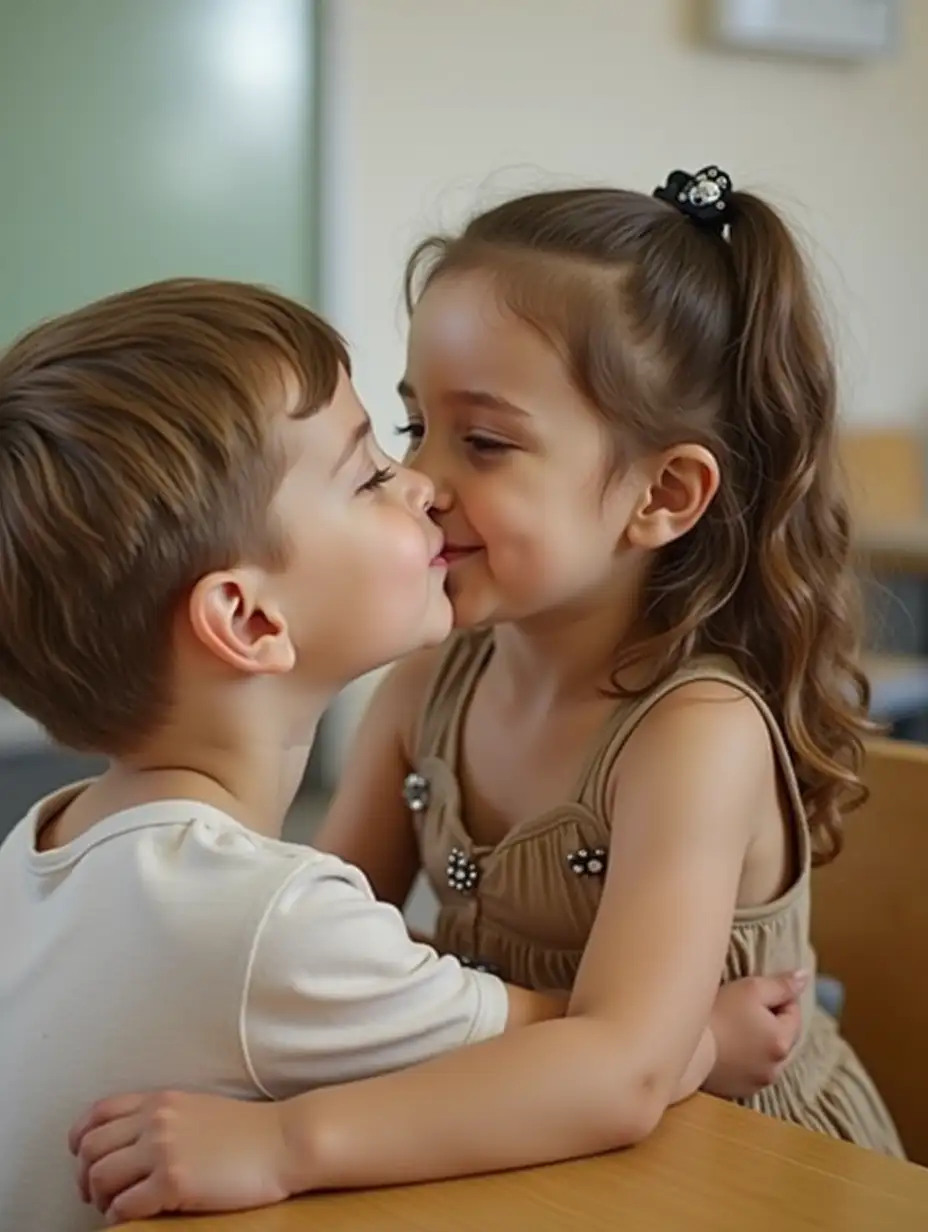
(360, 433)
(476, 398)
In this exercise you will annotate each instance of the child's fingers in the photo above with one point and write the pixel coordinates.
(143, 1200)
(116, 1173)
(789, 1025)
(778, 991)
(99, 1113)
(80, 1177)
(97, 1143)
(106, 1139)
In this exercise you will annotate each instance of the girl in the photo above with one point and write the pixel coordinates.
(619, 772)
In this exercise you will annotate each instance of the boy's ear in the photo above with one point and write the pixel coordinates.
(234, 618)
(680, 487)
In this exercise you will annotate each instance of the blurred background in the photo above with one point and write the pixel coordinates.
(309, 145)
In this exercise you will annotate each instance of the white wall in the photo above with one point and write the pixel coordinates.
(433, 107)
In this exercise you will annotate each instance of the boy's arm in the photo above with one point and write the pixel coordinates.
(337, 989)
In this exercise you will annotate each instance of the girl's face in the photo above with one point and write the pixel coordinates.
(517, 457)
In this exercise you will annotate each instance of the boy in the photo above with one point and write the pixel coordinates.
(200, 544)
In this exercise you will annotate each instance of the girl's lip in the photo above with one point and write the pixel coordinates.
(452, 553)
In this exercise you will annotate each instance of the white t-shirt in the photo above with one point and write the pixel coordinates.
(171, 947)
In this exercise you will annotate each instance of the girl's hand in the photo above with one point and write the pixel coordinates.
(144, 1155)
(756, 1022)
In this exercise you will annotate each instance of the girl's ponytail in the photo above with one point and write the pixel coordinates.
(798, 591)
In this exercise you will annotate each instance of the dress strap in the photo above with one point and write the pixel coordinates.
(594, 792)
(462, 659)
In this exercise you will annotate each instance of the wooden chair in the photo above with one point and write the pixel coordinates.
(885, 473)
(870, 929)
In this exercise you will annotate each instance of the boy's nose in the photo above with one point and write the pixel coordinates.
(420, 491)
(440, 490)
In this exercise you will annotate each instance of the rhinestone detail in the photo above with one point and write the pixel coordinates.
(704, 197)
(477, 964)
(706, 189)
(461, 871)
(588, 861)
(416, 792)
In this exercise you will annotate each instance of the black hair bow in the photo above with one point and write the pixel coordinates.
(705, 197)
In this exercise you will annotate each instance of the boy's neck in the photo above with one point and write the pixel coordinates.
(246, 761)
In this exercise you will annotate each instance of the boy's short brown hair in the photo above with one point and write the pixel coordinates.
(136, 456)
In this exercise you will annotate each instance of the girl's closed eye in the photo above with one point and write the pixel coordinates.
(415, 431)
(477, 441)
(487, 444)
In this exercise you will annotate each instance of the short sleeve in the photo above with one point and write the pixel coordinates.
(338, 990)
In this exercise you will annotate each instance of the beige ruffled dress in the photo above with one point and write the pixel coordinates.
(525, 907)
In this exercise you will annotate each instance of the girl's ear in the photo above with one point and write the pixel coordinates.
(681, 487)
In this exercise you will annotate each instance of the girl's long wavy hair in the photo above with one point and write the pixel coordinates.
(676, 333)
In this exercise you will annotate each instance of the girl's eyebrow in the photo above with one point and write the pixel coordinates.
(472, 398)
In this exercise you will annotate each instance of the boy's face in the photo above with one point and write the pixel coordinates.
(363, 578)
(364, 583)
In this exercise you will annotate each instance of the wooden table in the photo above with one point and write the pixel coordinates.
(894, 547)
(711, 1167)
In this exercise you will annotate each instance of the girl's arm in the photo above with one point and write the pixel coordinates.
(684, 793)
(368, 824)
(144, 1154)
(599, 1079)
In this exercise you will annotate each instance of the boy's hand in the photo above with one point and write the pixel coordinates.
(756, 1022)
(144, 1155)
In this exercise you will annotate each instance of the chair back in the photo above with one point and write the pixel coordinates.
(870, 931)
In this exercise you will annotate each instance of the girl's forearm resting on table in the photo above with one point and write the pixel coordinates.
(565, 1089)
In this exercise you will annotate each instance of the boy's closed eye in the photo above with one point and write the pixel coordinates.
(382, 475)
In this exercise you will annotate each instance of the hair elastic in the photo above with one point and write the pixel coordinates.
(705, 197)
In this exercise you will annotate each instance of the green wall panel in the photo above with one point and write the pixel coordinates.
(141, 139)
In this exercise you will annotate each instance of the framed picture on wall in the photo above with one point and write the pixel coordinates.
(827, 29)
